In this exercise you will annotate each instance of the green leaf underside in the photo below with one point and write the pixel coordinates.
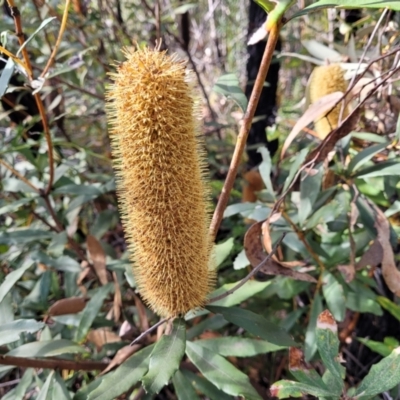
(255, 324)
(165, 358)
(220, 372)
(382, 376)
(285, 388)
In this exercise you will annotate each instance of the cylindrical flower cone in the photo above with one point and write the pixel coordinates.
(163, 194)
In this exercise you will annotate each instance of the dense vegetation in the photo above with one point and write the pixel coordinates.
(305, 302)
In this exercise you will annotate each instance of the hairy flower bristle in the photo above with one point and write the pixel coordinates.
(163, 193)
(325, 80)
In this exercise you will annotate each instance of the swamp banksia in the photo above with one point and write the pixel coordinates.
(160, 167)
(325, 80)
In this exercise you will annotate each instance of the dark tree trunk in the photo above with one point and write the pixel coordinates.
(267, 106)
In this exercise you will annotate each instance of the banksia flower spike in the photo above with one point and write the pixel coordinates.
(325, 80)
(160, 167)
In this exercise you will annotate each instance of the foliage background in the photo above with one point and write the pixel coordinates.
(67, 290)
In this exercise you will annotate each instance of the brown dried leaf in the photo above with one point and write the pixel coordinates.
(121, 356)
(141, 309)
(373, 256)
(348, 272)
(313, 112)
(328, 144)
(252, 183)
(296, 360)
(98, 257)
(255, 254)
(389, 270)
(326, 321)
(71, 305)
(100, 337)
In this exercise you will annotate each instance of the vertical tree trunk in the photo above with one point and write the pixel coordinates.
(267, 106)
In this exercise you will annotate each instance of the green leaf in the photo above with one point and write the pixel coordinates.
(165, 358)
(378, 347)
(59, 390)
(117, 382)
(47, 348)
(325, 214)
(310, 186)
(393, 5)
(265, 170)
(44, 23)
(234, 209)
(229, 86)
(249, 289)
(255, 324)
(73, 189)
(13, 277)
(222, 251)
(44, 393)
(15, 205)
(382, 376)
(328, 346)
(91, 311)
(294, 169)
(241, 261)
(359, 302)
(310, 341)
(334, 296)
(10, 332)
(220, 372)
(183, 387)
(238, 347)
(384, 168)
(6, 75)
(205, 386)
(23, 385)
(388, 305)
(24, 236)
(285, 388)
(364, 156)
(209, 324)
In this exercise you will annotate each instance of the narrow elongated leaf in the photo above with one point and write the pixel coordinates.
(222, 251)
(249, 289)
(165, 358)
(310, 187)
(91, 311)
(383, 168)
(300, 157)
(325, 214)
(265, 169)
(285, 389)
(364, 156)
(10, 332)
(24, 236)
(46, 348)
(44, 393)
(23, 385)
(209, 324)
(328, 346)
(393, 5)
(59, 390)
(205, 386)
(6, 75)
(378, 347)
(239, 347)
(183, 387)
(255, 324)
(12, 278)
(229, 86)
(382, 376)
(221, 372)
(388, 305)
(334, 296)
(302, 371)
(310, 342)
(126, 376)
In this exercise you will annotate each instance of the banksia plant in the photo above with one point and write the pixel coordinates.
(161, 181)
(325, 80)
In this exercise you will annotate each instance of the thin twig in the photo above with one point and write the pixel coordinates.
(250, 275)
(21, 38)
(18, 175)
(244, 130)
(151, 329)
(52, 363)
(58, 42)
